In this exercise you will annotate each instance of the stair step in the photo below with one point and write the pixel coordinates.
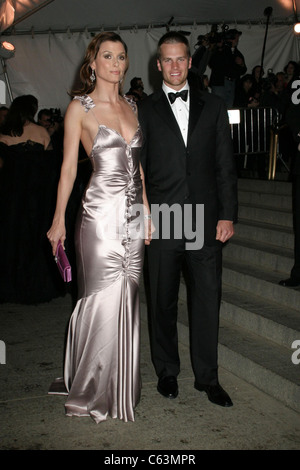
(262, 232)
(275, 201)
(262, 282)
(259, 254)
(261, 186)
(260, 362)
(264, 214)
(255, 359)
(260, 316)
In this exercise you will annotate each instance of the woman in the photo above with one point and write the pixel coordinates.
(28, 183)
(291, 71)
(257, 76)
(101, 372)
(243, 94)
(19, 127)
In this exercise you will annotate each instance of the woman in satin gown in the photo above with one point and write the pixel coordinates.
(101, 372)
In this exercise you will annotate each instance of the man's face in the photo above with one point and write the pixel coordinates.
(280, 82)
(235, 40)
(174, 63)
(45, 121)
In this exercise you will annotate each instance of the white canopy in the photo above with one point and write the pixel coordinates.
(78, 14)
(51, 36)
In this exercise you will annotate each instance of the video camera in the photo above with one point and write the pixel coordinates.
(215, 36)
(56, 115)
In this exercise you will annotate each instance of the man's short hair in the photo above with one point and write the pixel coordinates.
(134, 83)
(173, 37)
(43, 112)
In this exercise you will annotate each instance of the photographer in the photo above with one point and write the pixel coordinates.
(200, 60)
(227, 65)
(202, 54)
(273, 95)
(44, 118)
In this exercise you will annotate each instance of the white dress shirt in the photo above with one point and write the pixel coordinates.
(180, 109)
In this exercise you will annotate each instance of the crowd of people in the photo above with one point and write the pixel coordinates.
(219, 54)
(229, 80)
(170, 148)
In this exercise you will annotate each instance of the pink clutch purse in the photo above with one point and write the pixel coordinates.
(63, 264)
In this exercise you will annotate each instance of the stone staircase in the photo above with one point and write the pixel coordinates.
(259, 319)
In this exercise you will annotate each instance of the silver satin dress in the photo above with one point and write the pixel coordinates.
(102, 373)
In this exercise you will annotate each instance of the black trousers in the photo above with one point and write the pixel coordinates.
(204, 273)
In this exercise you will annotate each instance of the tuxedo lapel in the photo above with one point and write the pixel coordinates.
(163, 108)
(196, 108)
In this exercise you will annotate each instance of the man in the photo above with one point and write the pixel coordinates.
(188, 162)
(136, 89)
(227, 65)
(44, 118)
(292, 119)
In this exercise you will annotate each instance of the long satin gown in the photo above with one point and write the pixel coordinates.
(102, 374)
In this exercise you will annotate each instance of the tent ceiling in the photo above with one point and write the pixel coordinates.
(59, 15)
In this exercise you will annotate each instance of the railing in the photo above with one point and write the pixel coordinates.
(256, 134)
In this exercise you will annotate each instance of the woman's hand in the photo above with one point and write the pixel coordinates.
(55, 233)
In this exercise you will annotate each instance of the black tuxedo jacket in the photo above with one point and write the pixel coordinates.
(204, 171)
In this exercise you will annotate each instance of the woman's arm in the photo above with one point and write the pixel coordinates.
(68, 173)
(149, 227)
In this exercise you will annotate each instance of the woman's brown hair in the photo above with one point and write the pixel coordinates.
(87, 85)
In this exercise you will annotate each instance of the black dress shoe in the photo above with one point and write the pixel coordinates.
(290, 282)
(215, 394)
(167, 386)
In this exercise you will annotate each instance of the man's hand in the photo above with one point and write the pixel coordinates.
(225, 230)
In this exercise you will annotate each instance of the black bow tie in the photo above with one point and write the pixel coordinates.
(180, 94)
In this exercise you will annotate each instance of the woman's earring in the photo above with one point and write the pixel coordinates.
(92, 76)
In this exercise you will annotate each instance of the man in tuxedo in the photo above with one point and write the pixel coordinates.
(188, 162)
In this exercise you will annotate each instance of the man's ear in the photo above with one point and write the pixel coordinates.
(158, 65)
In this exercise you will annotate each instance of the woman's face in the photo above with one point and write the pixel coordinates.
(257, 73)
(290, 69)
(111, 62)
(247, 85)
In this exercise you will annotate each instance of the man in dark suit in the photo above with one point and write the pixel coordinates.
(188, 162)
(292, 119)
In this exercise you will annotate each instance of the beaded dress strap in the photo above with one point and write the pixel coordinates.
(86, 101)
(131, 103)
